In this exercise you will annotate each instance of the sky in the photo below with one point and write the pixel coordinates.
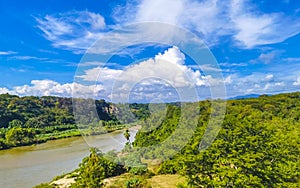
(129, 50)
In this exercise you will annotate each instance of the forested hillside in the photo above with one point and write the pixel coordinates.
(29, 120)
(258, 145)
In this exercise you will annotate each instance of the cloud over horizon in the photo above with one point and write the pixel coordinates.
(255, 43)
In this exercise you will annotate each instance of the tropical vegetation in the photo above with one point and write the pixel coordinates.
(257, 145)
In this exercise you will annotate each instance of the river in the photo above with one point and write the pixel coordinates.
(31, 165)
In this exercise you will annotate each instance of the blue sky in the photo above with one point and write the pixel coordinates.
(42, 45)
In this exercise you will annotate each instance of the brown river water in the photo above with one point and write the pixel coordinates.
(27, 166)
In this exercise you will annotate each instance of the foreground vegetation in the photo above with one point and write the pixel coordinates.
(257, 146)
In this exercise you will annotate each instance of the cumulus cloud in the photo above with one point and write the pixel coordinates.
(258, 83)
(169, 66)
(152, 77)
(74, 30)
(160, 76)
(43, 87)
(3, 90)
(100, 74)
(273, 86)
(297, 82)
(156, 11)
(53, 88)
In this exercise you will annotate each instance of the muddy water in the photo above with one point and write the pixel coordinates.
(30, 165)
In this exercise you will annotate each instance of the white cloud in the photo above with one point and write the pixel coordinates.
(297, 82)
(273, 86)
(226, 64)
(214, 19)
(206, 17)
(43, 87)
(75, 30)
(3, 90)
(259, 83)
(267, 58)
(169, 66)
(28, 58)
(101, 74)
(159, 76)
(88, 91)
(7, 52)
(159, 11)
(269, 77)
(292, 59)
(151, 77)
(154, 88)
(255, 28)
(90, 63)
(53, 88)
(210, 19)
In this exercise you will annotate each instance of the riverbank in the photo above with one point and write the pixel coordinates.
(28, 166)
(66, 179)
(45, 136)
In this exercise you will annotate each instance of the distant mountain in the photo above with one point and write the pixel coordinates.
(253, 95)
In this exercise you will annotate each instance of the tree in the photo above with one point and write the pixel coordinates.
(127, 135)
(91, 173)
(94, 169)
(19, 136)
(15, 123)
(2, 144)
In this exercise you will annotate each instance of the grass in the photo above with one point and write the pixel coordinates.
(58, 135)
(166, 181)
(122, 180)
(158, 181)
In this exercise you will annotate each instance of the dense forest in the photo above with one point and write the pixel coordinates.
(31, 120)
(257, 146)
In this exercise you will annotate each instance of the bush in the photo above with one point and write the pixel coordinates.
(133, 183)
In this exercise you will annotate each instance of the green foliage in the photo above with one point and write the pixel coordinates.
(133, 163)
(140, 111)
(257, 146)
(133, 183)
(47, 118)
(3, 144)
(15, 123)
(155, 129)
(127, 135)
(94, 169)
(19, 136)
(38, 112)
